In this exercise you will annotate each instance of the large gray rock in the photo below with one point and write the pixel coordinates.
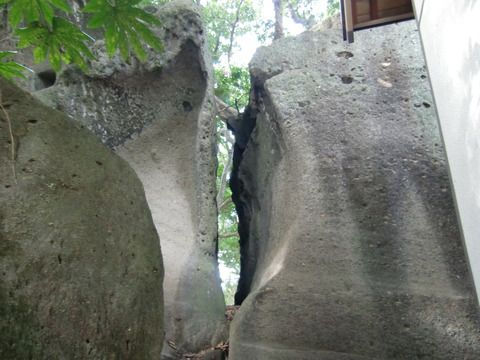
(350, 245)
(80, 264)
(159, 117)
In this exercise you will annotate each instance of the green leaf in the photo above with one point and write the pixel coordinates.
(15, 15)
(137, 46)
(144, 16)
(47, 11)
(97, 20)
(147, 35)
(125, 27)
(29, 11)
(61, 5)
(10, 69)
(111, 39)
(5, 54)
(93, 6)
(39, 54)
(63, 43)
(123, 45)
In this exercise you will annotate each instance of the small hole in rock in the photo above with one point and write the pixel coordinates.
(187, 107)
(345, 54)
(426, 104)
(346, 79)
(32, 121)
(99, 162)
(59, 257)
(45, 79)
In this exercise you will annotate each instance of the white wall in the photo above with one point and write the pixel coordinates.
(450, 31)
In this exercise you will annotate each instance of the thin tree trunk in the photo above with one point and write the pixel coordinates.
(233, 29)
(217, 47)
(278, 7)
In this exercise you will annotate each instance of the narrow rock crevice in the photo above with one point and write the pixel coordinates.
(245, 183)
(242, 201)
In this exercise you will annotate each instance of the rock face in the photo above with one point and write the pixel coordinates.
(80, 263)
(159, 117)
(350, 245)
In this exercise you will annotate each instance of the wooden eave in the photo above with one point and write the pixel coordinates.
(363, 14)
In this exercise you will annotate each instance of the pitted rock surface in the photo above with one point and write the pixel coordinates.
(80, 263)
(159, 116)
(350, 247)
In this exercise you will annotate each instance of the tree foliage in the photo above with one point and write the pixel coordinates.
(60, 42)
(233, 86)
(302, 12)
(333, 7)
(44, 26)
(226, 20)
(125, 25)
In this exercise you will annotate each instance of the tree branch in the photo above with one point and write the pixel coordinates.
(227, 235)
(225, 203)
(225, 111)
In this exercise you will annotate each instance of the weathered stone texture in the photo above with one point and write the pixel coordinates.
(350, 245)
(80, 262)
(159, 117)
